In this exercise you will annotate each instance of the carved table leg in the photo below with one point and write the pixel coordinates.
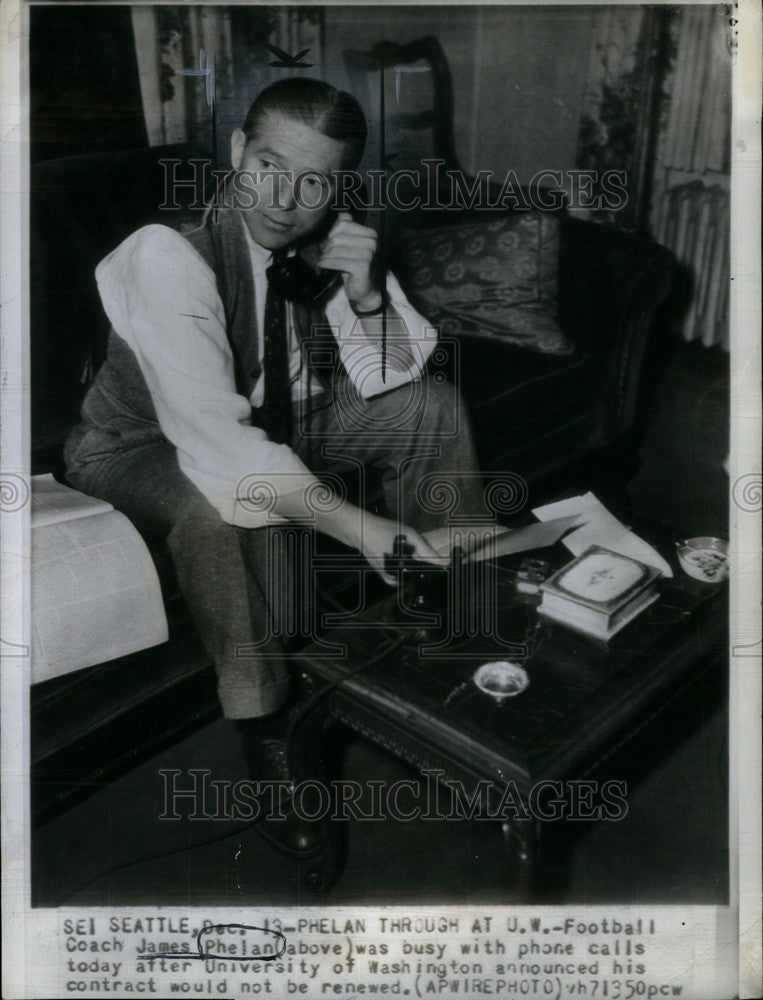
(521, 847)
(308, 755)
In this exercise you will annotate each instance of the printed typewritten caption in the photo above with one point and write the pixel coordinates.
(592, 952)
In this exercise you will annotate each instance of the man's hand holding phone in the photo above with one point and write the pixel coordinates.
(351, 249)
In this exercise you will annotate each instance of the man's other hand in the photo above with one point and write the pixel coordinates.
(378, 541)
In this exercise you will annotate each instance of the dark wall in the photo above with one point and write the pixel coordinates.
(519, 74)
(84, 86)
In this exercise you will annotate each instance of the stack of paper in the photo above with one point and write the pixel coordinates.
(601, 528)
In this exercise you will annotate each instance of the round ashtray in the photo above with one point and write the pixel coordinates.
(704, 558)
(501, 679)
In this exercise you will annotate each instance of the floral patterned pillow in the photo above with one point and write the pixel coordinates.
(496, 279)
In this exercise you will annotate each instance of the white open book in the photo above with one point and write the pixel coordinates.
(95, 592)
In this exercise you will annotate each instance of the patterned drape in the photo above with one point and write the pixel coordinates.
(690, 207)
(658, 105)
(179, 48)
(171, 39)
(609, 126)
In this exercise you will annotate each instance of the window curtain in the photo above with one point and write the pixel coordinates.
(609, 121)
(690, 209)
(178, 48)
(170, 41)
(658, 105)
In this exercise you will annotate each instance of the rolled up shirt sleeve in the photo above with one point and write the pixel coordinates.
(362, 358)
(161, 298)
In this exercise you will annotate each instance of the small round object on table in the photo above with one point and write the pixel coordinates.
(501, 679)
(704, 558)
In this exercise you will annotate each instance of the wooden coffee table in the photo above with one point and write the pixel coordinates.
(418, 699)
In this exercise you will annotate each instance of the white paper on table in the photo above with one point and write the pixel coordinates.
(501, 541)
(601, 528)
(531, 536)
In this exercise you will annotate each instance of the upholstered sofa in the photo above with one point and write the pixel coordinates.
(533, 412)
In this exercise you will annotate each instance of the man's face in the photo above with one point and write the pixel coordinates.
(283, 144)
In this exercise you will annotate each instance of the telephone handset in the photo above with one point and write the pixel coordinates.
(297, 280)
(297, 277)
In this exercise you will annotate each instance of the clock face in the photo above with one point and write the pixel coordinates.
(601, 577)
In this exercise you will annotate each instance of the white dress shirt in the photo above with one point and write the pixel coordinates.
(161, 297)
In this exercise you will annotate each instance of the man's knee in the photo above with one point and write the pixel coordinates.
(431, 402)
(197, 521)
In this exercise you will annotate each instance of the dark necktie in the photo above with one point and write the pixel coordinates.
(276, 407)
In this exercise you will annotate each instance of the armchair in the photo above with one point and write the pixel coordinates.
(533, 415)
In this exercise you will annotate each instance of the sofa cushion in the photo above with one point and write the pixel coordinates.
(495, 279)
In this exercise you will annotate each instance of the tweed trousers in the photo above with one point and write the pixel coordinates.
(232, 578)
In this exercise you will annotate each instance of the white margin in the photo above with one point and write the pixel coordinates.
(745, 469)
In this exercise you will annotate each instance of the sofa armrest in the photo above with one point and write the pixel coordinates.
(610, 286)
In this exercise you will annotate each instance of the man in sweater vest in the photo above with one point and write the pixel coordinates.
(207, 423)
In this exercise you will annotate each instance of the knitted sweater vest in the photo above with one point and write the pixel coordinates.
(118, 411)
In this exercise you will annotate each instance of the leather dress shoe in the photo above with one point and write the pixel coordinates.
(267, 760)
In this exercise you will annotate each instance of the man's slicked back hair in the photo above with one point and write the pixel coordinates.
(333, 113)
